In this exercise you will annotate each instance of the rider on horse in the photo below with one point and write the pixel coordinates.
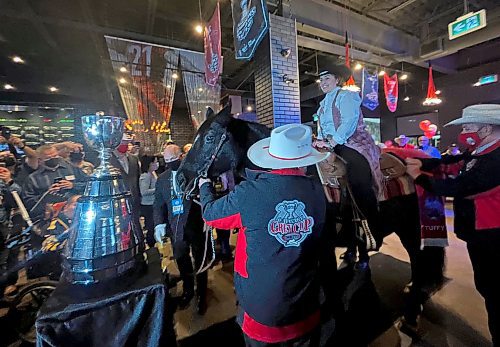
(341, 129)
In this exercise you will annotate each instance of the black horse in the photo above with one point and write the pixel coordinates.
(221, 144)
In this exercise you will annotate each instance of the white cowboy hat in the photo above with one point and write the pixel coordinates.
(289, 146)
(401, 138)
(483, 114)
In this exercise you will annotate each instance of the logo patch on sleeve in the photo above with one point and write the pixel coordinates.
(291, 225)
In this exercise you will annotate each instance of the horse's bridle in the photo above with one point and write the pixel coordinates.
(204, 171)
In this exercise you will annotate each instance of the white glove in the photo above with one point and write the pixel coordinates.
(159, 234)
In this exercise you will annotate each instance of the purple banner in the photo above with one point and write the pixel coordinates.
(370, 90)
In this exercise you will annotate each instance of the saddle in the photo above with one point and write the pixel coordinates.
(392, 166)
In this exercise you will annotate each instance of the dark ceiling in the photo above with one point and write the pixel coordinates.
(62, 41)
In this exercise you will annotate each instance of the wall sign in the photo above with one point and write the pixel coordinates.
(250, 25)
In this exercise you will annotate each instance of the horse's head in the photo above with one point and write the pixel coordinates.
(220, 145)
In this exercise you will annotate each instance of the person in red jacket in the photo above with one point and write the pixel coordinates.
(281, 248)
(476, 193)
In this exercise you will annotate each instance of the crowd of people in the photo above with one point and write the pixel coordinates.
(283, 255)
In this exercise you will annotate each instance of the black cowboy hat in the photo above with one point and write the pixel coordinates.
(338, 70)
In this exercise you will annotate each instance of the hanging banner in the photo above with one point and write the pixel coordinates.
(213, 51)
(370, 90)
(250, 25)
(391, 91)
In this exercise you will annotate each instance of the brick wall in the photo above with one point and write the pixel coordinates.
(181, 128)
(278, 102)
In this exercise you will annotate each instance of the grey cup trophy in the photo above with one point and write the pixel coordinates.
(104, 240)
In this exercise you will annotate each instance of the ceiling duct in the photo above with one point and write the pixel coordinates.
(431, 48)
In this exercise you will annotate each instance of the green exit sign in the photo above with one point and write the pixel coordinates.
(467, 24)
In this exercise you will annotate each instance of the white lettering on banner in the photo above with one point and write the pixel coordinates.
(137, 52)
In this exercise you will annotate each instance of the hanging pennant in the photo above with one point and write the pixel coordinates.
(250, 25)
(213, 52)
(391, 92)
(350, 84)
(370, 90)
(432, 99)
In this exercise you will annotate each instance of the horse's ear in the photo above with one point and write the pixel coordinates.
(209, 113)
(224, 116)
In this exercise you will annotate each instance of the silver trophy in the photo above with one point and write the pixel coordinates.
(104, 241)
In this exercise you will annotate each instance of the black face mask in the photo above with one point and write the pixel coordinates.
(76, 156)
(9, 161)
(52, 163)
(174, 165)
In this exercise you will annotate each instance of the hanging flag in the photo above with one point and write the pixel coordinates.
(250, 25)
(391, 91)
(370, 90)
(213, 52)
(350, 83)
(432, 98)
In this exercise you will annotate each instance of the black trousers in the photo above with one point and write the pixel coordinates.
(484, 253)
(194, 241)
(149, 224)
(359, 176)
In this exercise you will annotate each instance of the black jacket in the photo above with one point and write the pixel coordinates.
(280, 216)
(176, 226)
(476, 190)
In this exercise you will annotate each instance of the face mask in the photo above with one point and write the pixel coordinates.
(51, 163)
(76, 156)
(122, 148)
(9, 161)
(174, 165)
(471, 140)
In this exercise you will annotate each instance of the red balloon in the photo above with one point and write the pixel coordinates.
(429, 134)
(424, 125)
(433, 128)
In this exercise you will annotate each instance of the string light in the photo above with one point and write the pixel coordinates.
(381, 73)
(438, 92)
(407, 98)
(358, 66)
(123, 69)
(123, 80)
(175, 76)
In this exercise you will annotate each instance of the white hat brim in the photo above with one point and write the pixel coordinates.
(477, 119)
(258, 154)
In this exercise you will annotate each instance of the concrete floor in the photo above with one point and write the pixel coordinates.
(455, 316)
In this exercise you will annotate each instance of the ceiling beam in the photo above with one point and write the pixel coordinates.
(331, 48)
(362, 30)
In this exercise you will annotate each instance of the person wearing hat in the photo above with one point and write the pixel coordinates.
(403, 142)
(280, 242)
(476, 193)
(342, 130)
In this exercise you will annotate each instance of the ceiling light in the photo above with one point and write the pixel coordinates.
(407, 98)
(199, 29)
(8, 87)
(46, 107)
(358, 66)
(381, 73)
(432, 101)
(18, 60)
(438, 92)
(123, 80)
(249, 108)
(403, 77)
(199, 111)
(175, 76)
(123, 69)
(53, 89)
(169, 86)
(200, 89)
(318, 81)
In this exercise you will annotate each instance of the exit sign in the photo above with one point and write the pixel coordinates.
(467, 24)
